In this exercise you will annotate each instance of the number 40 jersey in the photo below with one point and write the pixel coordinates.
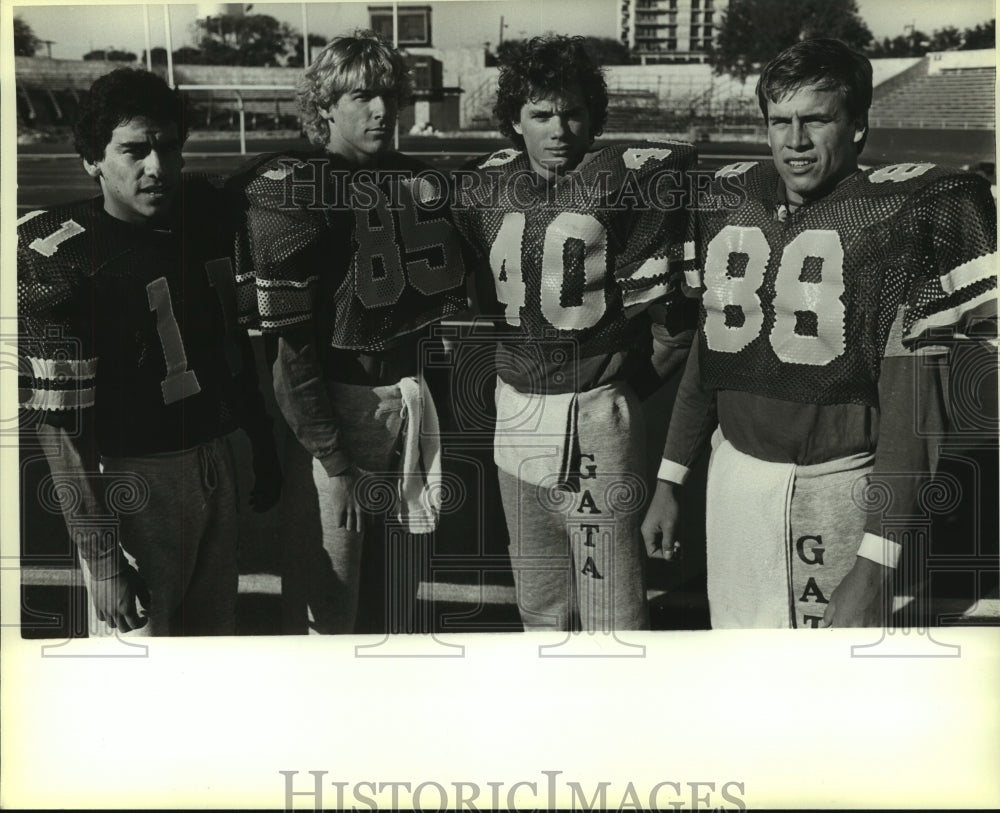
(135, 322)
(571, 268)
(804, 307)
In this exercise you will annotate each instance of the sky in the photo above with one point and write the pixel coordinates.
(78, 28)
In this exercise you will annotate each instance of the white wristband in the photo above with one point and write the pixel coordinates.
(880, 550)
(672, 472)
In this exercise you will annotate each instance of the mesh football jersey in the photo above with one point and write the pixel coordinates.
(136, 322)
(370, 255)
(801, 309)
(573, 266)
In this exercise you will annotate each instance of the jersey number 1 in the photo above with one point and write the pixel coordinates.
(180, 381)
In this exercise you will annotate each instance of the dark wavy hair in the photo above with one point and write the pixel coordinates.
(119, 97)
(826, 64)
(546, 67)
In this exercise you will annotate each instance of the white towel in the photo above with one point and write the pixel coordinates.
(748, 529)
(536, 435)
(420, 459)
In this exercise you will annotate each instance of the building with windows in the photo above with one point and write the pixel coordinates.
(679, 31)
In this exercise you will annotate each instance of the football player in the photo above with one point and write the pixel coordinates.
(347, 254)
(138, 370)
(831, 296)
(574, 245)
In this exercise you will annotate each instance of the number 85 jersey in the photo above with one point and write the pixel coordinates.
(803, 307)
(131, 321)
(368, 257)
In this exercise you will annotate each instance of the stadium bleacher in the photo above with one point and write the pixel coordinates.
(962, 98)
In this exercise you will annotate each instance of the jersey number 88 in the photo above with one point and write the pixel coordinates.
(820, 295)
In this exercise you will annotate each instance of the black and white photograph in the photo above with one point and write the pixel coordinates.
(495, 404)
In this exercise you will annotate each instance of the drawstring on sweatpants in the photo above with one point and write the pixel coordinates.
(209, 473)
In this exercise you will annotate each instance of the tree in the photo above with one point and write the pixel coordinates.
(254, 39)
(608, 51)
(982, 36)
(753, 31)
(914, 44)
(315, 41)
(25, 41)
(185, 55)
(111, 55)
(157, 56)
(948, 38)
(605, 50)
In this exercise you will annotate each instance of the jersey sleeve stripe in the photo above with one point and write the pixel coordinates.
(56, 400)
(651, 269)
(62, 369)
(966, 274)
(288, 321)
(287, 283)
(949, 317)
(25, 218)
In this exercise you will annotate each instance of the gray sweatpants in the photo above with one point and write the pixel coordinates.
(577, 555)
(322, 563)
(183, 543)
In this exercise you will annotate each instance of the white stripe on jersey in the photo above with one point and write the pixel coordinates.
(951, 316)
(291, 283)
(970, 272)
(651, 268)
(62, 369)
(25, 218)
(57, 400)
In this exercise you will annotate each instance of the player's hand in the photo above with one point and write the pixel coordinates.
(859, 600)
(267, 479)
(660, 522)
(115, 599)
(345, 505)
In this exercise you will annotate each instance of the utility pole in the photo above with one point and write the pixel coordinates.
(502, 27)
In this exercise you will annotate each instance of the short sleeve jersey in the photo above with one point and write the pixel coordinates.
(571, 267)
(135, 322)
(369, 257)
(802, 308)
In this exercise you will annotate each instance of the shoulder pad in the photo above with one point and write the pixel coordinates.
(912, 174)
(650, 156)
(51, 256)
(264, 182)
(509, 156)
(44, 232)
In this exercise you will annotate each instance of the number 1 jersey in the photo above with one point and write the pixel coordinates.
(133, 321)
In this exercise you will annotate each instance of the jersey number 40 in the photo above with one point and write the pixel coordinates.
(585, 237)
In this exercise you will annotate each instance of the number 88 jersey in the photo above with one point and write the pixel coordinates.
(135, 322)
(803, 308)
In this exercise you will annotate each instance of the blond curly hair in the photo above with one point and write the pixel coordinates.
(362, 60)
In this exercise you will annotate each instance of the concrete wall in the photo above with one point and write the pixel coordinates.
(952, 60)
